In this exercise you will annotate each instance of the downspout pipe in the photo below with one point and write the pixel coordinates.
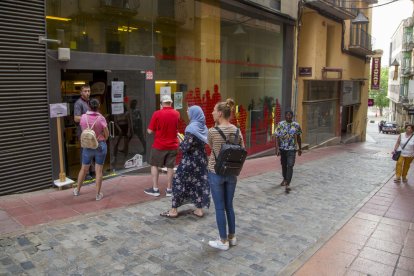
(298, 25)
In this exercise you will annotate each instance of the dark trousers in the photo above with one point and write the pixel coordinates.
(287, 159)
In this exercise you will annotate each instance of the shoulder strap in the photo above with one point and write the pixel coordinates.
(221, 133)
(95, 122)
(407, 141)
(237, 136)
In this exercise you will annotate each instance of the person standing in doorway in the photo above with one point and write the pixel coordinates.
(97, 122)
(288, 141)
(81, 107)
(164, 125)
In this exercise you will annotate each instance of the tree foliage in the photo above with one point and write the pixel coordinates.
(380, 96)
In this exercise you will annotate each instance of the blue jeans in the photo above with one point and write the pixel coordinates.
(287, 159)
(222, 191)
(98, 154)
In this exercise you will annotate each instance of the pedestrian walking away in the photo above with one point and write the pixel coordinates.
(288, 141)
(94, 120)
(381, 125)
(190, 182)
(406, 145)
(222, 187)
(80, 107)
(164, 125)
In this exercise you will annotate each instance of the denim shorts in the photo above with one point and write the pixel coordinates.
(99, 154)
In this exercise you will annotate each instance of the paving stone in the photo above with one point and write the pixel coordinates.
(23, 241)
(27, 265)
(6, 261)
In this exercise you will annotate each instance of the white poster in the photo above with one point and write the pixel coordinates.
(58, 110)
(117, 108)
(178, 100)
(117, 91)
(165, 90)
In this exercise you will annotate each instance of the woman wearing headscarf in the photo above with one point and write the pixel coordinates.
(190, 182)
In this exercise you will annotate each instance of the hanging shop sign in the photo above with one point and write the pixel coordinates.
(370, 102)
(375, 73)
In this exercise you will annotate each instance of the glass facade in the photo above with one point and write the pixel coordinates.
(321, 111)
(204, 53)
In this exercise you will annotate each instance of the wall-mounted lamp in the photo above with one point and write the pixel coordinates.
(360, 19)
(239, 30)
(395, 64)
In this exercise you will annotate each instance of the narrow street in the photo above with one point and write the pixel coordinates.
(273, 228)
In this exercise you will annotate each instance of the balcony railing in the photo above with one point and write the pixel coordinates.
(343, 9)
(360, 41)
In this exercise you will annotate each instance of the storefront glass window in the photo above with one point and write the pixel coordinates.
(320, 106)
(204, 53)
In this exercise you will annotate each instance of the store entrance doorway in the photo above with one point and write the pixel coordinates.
(122, 97)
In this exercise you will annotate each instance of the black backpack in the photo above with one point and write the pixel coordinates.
(231, 157)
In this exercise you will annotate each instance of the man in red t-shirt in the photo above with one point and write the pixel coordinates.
(164, 125)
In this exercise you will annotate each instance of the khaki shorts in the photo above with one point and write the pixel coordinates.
(163, 158)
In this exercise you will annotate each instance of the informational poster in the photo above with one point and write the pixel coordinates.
(117, 108)
(165, 90)
(58, 110)
(117, 91)
(178, 100)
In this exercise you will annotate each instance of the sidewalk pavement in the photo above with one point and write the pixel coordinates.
(18, 212)
(279, 234)
(377, 240)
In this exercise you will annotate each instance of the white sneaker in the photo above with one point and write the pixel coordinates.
(219, 244)
(233, 241)
(99, 196)
(75, 192)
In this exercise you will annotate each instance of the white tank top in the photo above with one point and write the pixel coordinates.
(408, 151)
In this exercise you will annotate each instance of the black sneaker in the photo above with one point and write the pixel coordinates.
(152, 192)
(168, 192)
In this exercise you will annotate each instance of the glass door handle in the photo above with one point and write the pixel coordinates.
(111, 129)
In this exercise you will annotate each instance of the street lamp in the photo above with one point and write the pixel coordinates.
(395, 64)
(360, 19)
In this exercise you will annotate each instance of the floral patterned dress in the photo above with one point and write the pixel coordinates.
(190, 184)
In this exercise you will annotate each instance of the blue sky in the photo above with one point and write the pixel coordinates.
(385, 21)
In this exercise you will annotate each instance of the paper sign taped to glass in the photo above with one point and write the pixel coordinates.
(134, 162)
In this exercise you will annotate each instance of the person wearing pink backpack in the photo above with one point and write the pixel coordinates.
(93, 119)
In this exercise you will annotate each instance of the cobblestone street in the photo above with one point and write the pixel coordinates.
(273, 228)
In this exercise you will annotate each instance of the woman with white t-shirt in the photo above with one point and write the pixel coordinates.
(407, 154)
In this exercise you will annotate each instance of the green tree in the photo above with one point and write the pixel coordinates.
(380, 96)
